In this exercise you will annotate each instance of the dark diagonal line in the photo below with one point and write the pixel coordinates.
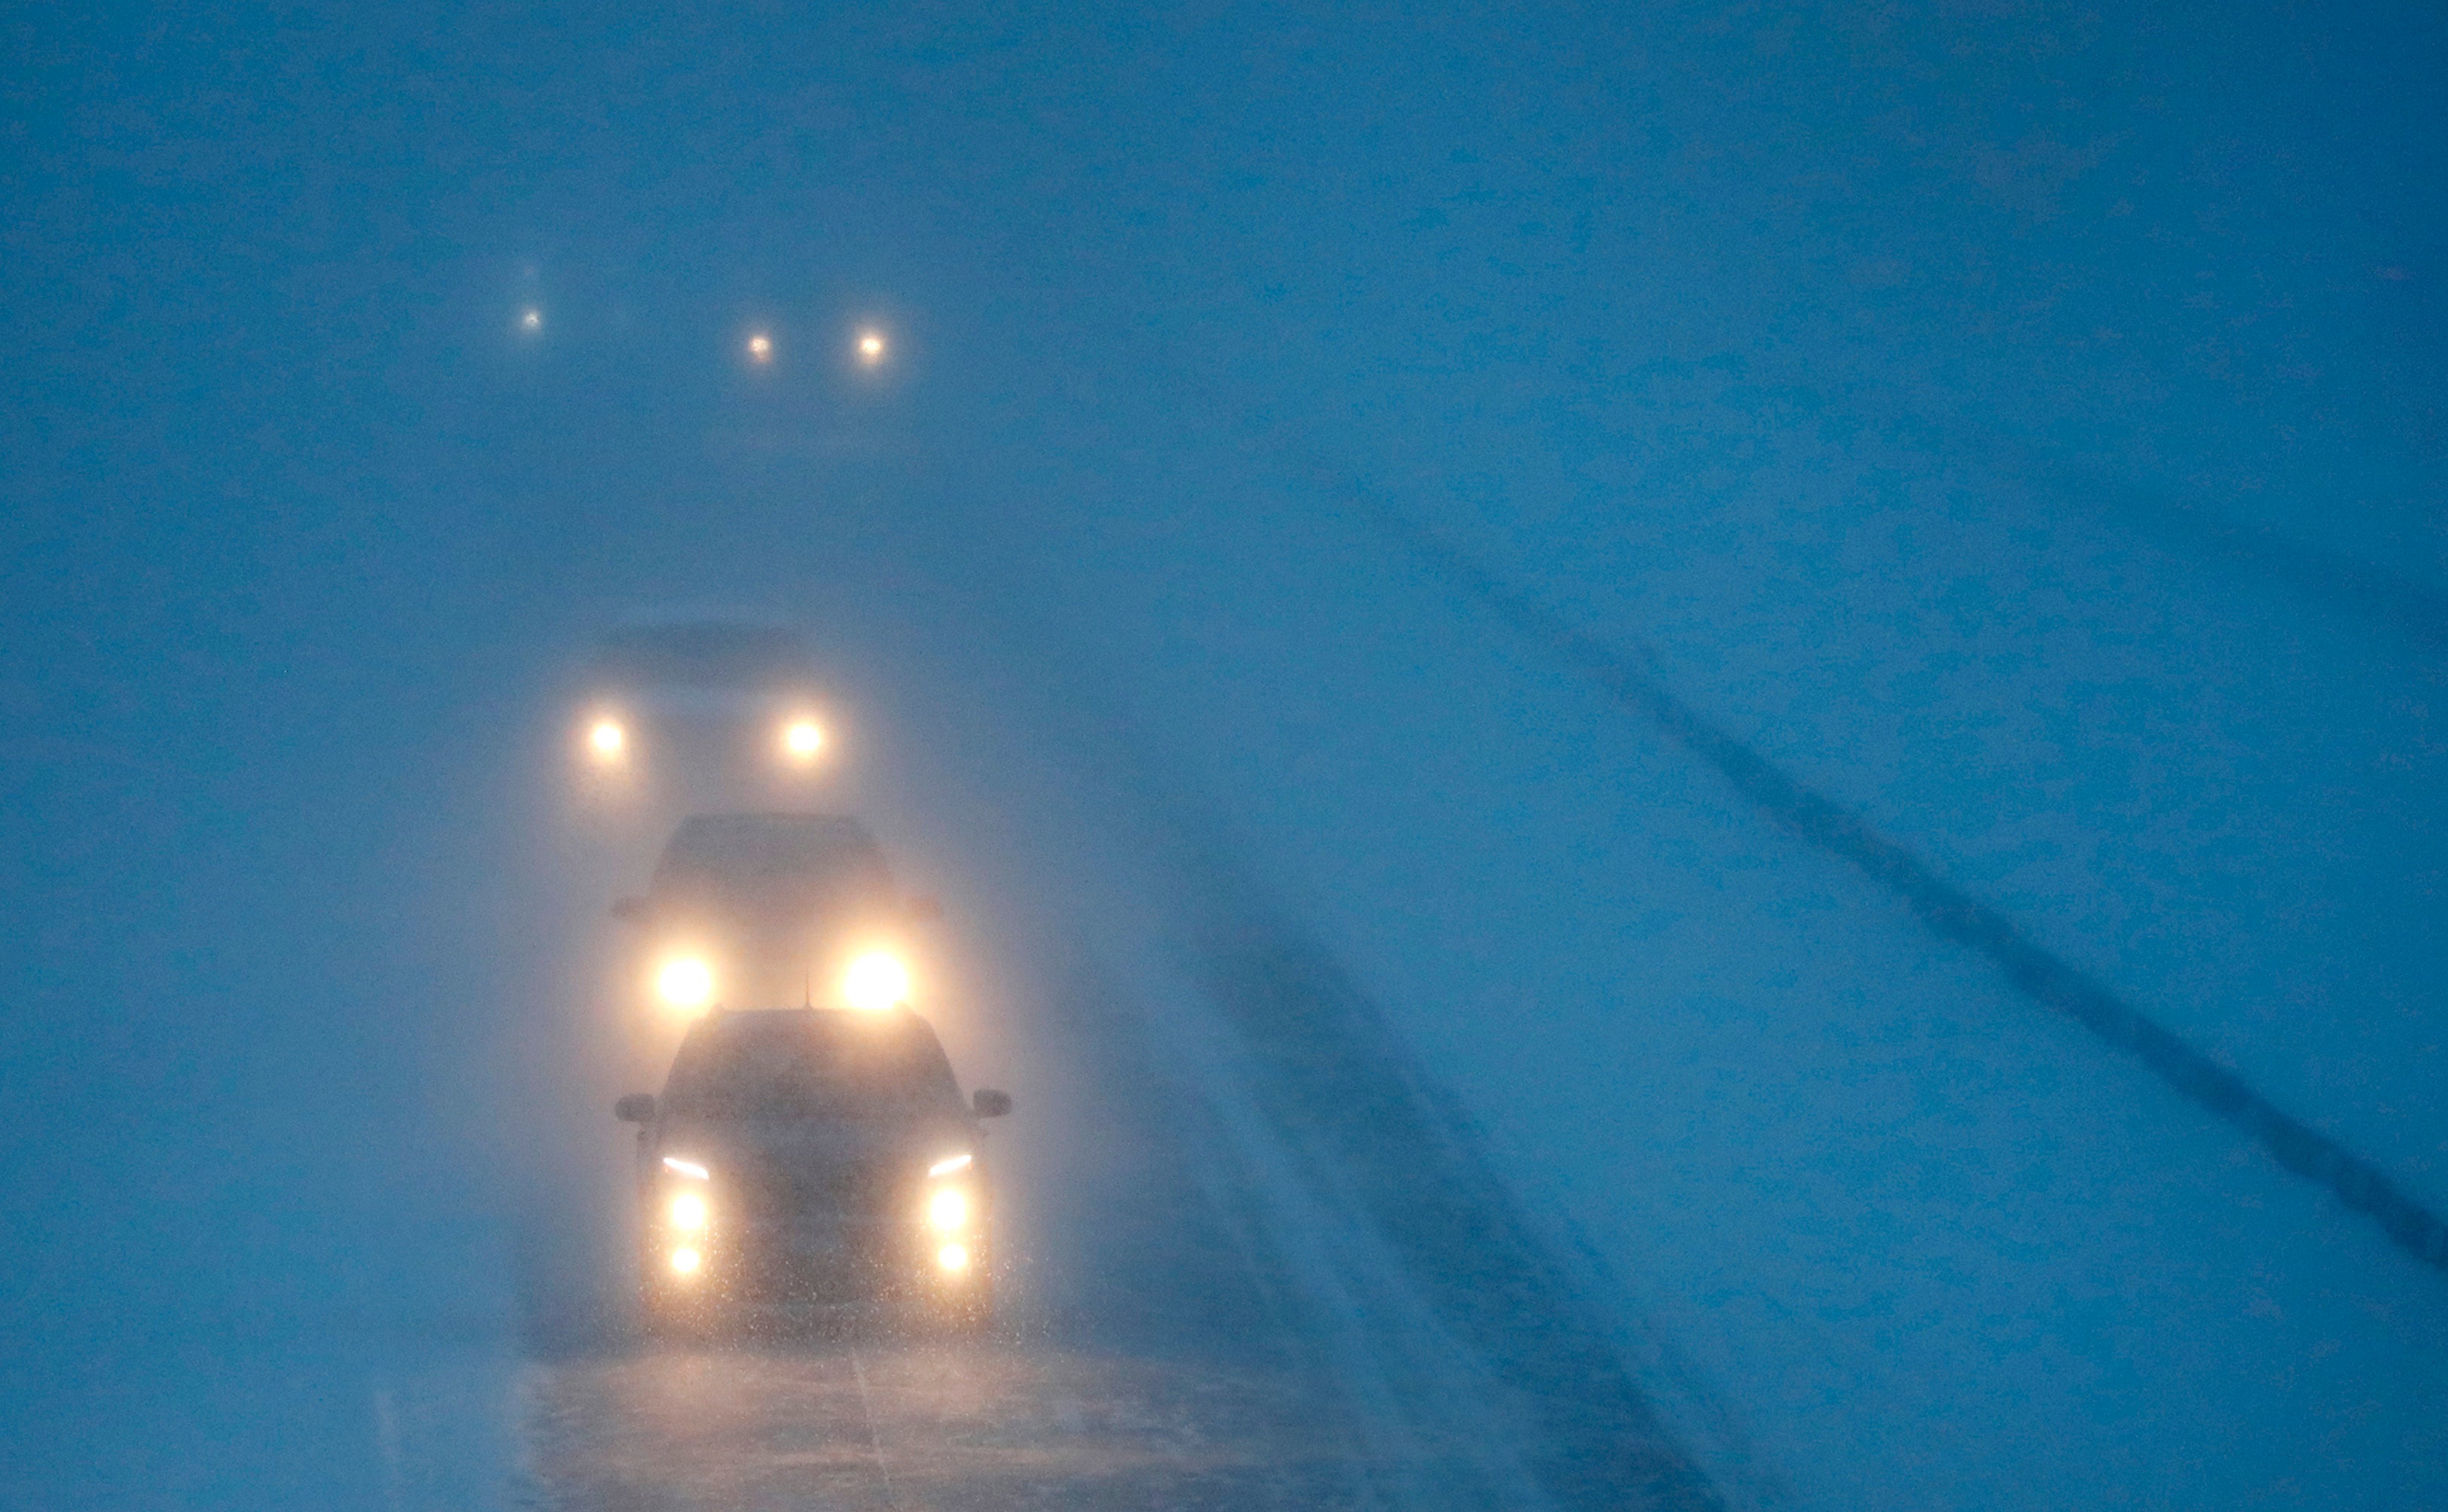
(1946, 910)
(2339, 582)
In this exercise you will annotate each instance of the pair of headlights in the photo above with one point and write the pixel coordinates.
(874, 983)
(948, 1210)
(688, 1215)
(796, 742)
(948, 1213)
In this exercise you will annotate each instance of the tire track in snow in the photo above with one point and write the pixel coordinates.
(1947, 911)
(1331, 1075)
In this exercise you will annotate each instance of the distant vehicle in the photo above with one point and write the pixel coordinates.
(775, 909)
(702, 710)
(811, 1160)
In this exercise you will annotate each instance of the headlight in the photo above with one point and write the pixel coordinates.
(953, 1257)
(685, 1260)
(876, 981)
(607, 741)
(948, 1210)
(803, 740)
(871, 347)
(685, 981)
(950, 1163)
(687, 1212)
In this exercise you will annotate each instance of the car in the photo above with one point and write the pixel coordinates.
(699, 710)
(801, 1163)
(771, 909)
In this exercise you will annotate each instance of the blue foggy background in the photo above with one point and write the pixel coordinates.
(2021, 423)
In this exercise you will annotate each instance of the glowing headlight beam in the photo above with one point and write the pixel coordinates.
(953, 1257)
(876, 981)
(761, 349)
(871, 347)
(686, 982)
(688, 1168)
(687, 1212)
(685, 1260)
(606, 740)
(948, 1210)
(803, 740)
(950, 1163)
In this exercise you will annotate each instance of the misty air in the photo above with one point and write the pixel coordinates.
(969, 757)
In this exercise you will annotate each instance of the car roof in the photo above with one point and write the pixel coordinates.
(750, 846)
(711, 651)
(772, 860)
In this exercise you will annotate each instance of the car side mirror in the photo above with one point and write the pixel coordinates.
(631, 909)
(924, 908)
(638, 1107)
(990, 1103)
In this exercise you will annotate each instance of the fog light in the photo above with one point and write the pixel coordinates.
(875, 982)
(686, 982)
(953, 1257)
(685, 1260)
(803, 740)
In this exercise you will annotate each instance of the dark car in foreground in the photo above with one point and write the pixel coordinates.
(806, 1163)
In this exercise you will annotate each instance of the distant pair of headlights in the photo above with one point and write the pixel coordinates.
(798, 742)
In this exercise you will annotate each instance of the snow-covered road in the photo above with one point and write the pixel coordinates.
(1255, 1261)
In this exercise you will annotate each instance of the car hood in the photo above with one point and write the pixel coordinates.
(780, 1164)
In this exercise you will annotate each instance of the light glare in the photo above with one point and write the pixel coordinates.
(950, 1163)
(688, 1168)
(686, 982)
(685, 1260)
(871, 346)
(688, 1212)
(948, 1210)
(802, 739)
(953, 1257)
(876, 981)
(761, 349)
(607, 739)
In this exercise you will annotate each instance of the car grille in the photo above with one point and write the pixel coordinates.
(784, 1192)
(815, 1232)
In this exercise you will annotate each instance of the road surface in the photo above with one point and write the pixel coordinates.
(1254, 1263)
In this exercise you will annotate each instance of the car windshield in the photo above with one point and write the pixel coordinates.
(773, 864)
(709, 654)
(810, 1064)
